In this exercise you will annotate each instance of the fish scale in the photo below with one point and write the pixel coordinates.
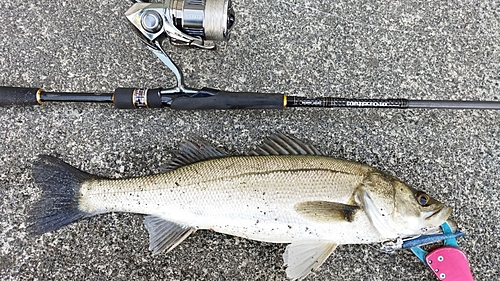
(251, 197)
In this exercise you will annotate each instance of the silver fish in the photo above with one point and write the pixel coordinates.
(285, 191)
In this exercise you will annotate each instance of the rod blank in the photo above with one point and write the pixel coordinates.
(331, 102)
(452, 104)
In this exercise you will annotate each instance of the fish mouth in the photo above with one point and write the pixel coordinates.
(441, 214)
(438, 230)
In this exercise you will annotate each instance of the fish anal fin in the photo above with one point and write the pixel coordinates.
(302, 257)
(165, 235)
(326, 211)
(280, 144)
(195, 151)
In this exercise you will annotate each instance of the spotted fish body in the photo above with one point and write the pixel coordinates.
(286, 192)
(256, 203)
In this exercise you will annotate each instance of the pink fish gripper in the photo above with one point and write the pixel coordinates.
(448, 262)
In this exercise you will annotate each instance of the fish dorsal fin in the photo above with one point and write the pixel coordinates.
(326, 211)
(281, 144)
(302, 257)
(165, 235)
(195, 151)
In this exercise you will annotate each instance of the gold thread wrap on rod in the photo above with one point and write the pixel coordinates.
(39, 96)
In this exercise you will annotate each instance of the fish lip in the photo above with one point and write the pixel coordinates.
(438, 230)
(440, 214)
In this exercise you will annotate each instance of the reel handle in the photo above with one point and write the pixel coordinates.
(18, 96)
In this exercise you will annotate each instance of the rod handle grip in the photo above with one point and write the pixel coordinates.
(215, 99)
(17, 96)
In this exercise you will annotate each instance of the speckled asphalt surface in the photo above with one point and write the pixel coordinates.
(420, 50)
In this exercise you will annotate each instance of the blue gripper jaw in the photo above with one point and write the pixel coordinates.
(447, 236)
(427, 239)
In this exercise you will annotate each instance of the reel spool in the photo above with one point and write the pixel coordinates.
(195, 23)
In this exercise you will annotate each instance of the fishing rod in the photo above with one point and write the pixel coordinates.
(199, 24)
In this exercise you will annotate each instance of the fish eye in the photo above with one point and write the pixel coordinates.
(422, 198)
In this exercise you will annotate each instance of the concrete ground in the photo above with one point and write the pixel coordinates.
(408, 49)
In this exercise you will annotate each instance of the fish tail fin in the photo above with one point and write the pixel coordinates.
(59, 202)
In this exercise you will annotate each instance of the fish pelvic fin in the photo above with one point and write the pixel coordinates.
(58, 205)
(165, 235)
(302, 257)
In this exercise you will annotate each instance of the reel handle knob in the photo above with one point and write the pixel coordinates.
(18, 96)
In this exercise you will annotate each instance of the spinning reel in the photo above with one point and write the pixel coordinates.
(190, 23)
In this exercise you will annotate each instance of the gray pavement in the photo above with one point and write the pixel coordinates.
(420, 50)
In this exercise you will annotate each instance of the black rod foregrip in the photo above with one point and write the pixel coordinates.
(12, 96)
(215, 99)
(75, 97)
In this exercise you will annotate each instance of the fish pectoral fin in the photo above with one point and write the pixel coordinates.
(281, 144)
(165, 235)
(302, 257)
(326, 211)
(379, 221)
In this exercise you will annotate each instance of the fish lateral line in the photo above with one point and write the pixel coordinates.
(179, 184)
